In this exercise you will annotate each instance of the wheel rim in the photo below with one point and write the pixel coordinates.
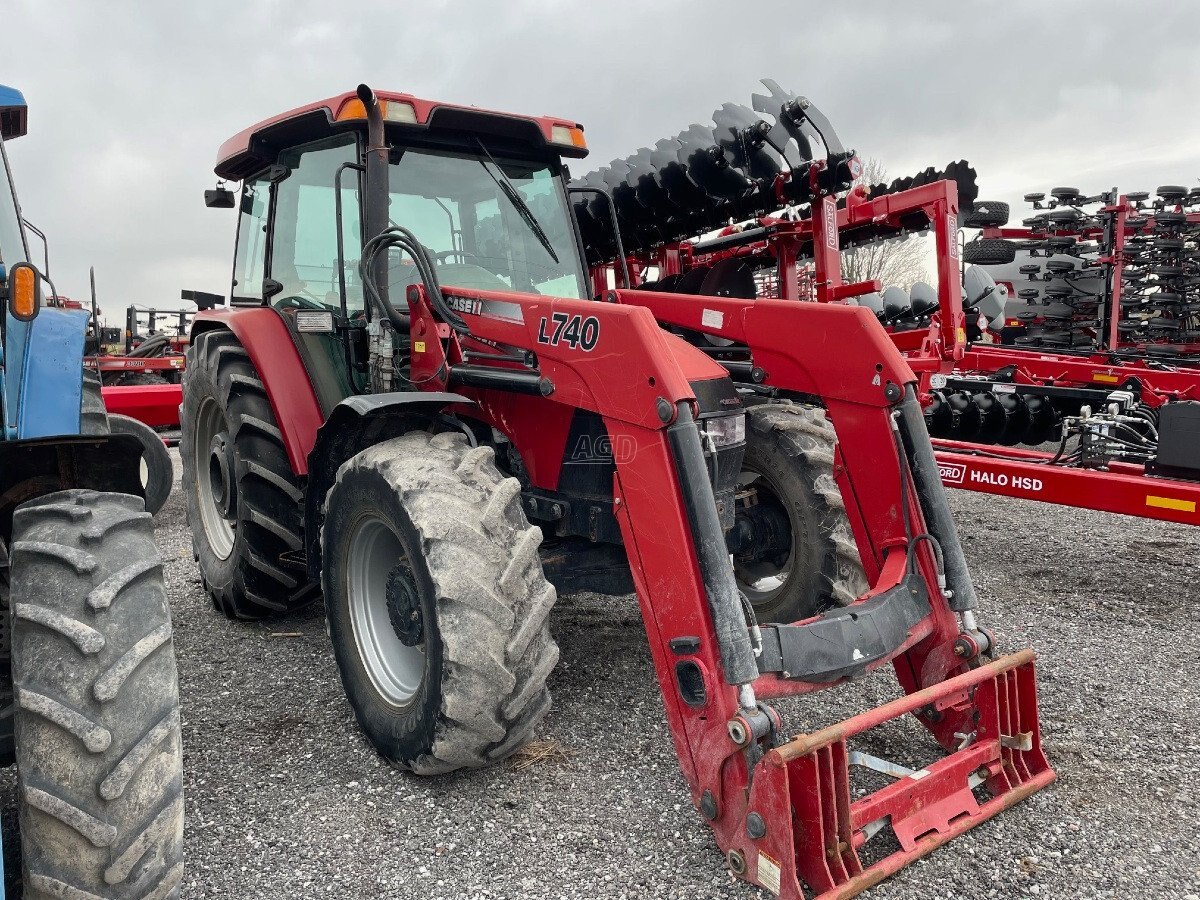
(765, 579)
(395, 668)
(215, 487)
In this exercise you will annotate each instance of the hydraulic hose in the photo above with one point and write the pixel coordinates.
(936, 508)
(712, 556)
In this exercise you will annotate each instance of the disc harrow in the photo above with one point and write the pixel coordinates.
(745, 164)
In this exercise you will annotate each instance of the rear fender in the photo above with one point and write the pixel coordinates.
(33, 468)
(355, 424)
(261, 330)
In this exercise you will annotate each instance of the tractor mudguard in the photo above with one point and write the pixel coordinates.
(102, 462)
(261, 330)
(355, 423)
(42, 373)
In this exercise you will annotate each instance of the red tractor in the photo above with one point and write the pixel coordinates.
(412, 406)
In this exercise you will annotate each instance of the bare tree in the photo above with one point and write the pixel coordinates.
(901, 262)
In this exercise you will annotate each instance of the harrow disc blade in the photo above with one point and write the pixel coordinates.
(742, 134)
(730, 278)
(709, 166)
(780, 135)
(960, 172)
(648, 187)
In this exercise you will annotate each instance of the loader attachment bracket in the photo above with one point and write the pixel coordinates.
(816, 822)
(843, 642)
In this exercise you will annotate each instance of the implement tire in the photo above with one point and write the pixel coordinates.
(158, 473)
(789, 465)
(989, 252)
(244, 504)
(437, 605)
(99, 757)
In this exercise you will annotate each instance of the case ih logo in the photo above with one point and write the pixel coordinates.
(952, 473)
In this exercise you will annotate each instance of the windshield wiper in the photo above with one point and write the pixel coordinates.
(516, 200)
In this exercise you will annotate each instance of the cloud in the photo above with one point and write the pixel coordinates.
(129, 100)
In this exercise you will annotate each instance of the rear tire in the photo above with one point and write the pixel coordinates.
(100, 762)
(243, 501)
(423, 537)
(789, 461)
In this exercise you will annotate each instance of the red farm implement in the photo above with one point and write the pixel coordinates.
(400, 428)
(1088, 345)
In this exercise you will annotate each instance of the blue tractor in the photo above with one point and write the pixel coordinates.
(89, 705)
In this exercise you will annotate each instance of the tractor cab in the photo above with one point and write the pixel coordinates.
(484, 192)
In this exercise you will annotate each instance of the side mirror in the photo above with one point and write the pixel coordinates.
(203, 299)
(270, 287)
(24, 291)
(219, 198)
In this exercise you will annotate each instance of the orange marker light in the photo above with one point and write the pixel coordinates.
(393, 111)
(24, 298)
(570, 135)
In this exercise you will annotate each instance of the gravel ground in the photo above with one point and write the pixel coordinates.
(286, 800)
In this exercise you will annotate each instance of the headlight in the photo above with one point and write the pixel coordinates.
(726, 430)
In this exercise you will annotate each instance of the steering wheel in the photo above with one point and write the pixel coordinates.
(457, 256)
(301, 302)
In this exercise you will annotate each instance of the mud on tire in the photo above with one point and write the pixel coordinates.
(790, 446)
(100, 763)
(251, 579)
(484, 601)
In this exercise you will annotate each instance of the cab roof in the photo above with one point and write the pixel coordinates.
(13, 113)
(254, 148)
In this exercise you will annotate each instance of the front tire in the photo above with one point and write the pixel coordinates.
(812, 563)
(99, 757)
(243, 501)
(437, 604)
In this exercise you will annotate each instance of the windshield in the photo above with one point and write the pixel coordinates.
(12, 238)
(459, 206)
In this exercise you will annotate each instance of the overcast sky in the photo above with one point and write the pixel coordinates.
(129, 100)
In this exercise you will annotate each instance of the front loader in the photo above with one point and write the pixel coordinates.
(411, 406)
(89, 701)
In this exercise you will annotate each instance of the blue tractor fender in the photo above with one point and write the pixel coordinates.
(43, 365)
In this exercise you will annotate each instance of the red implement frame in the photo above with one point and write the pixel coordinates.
(136, 364)
(157, 405)
(942, 349)
(1119, 488)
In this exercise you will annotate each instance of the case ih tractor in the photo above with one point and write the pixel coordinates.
(412, 406)
(90, 707)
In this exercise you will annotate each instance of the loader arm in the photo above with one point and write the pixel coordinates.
(768, 799)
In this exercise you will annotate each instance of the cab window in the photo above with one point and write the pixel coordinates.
(304, 252)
